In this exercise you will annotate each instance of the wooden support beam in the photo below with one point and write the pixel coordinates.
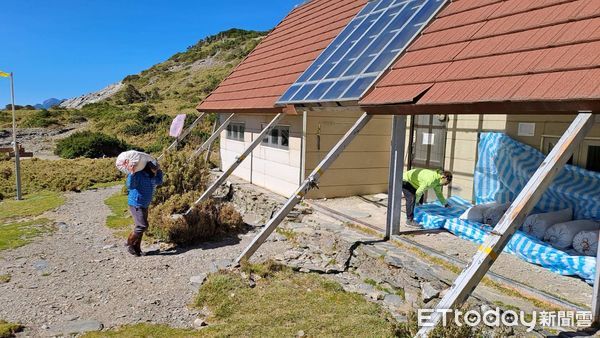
(394, 209)
(308, 184)
(513, 218)
(211, 189)
(213, 137)
(182, 136)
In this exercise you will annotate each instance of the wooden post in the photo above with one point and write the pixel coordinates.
(182, 136)
(307, 185)
(213, 136)
(211, 189)
(394, 209)
(513, 218)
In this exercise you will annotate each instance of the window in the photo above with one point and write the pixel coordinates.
(586, 156)
(235, 131)
(278, 137)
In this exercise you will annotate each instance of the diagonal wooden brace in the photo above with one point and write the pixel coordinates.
(212, 137)
(211, 189)
(512, 219)
(305, 187)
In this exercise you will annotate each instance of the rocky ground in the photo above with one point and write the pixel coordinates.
(81, 278)
(40, 141)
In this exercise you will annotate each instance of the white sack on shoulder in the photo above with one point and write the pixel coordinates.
(492, 216)
(536, 225)
(586, 242)
(561, 235)
(475, 213)
(132, 161)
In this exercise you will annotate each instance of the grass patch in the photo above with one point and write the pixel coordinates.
(119, 218)
(58, 176)
(5, 278)
(8, 330)
(294, 302)
(32, 205)
(14, 235)
(289, 234)
(144, 330)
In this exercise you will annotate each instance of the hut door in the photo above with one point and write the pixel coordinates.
(428, 144)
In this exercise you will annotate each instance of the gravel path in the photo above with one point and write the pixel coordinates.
(82, 273)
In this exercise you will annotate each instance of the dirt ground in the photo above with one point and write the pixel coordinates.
(371, 209)
(82, 274)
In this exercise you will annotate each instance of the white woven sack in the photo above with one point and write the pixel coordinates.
(475, 213)
(561, 235)
(586, 242)
(132, 161)
(536, 225)
(492, 215)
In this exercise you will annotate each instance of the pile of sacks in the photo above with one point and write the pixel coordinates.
(556, 228)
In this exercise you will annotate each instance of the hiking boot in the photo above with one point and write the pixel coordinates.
(411, 223)
(138, 245)
(132, 241)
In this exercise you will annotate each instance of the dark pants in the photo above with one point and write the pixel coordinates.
(140, 218)
(410, 193)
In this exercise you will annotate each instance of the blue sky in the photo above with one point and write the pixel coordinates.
(65, 48)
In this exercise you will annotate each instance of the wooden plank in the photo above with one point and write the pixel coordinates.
(211, 189)
(213, 137)
(524, 203)
(307, 185)
(394, 209)
(182, 136)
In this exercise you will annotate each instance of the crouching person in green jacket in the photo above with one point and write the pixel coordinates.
(416, 182)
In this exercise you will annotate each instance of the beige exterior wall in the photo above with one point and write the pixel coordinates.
(275, 169)
(363, 168)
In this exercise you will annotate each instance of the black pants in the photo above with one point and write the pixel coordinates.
(410, 193)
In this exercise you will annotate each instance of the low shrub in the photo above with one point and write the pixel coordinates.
(184, 182)
(89, 144)
(59, 175)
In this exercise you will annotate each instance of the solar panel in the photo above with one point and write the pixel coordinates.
(366, 47)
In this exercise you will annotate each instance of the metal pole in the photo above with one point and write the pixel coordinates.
(210, 190)
(496, 240)
(307, 185)
(394, 208)
(16, 145)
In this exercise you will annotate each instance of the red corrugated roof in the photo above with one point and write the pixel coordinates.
(282, 56)
(500, 51)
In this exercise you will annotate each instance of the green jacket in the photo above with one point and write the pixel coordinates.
(423, 180)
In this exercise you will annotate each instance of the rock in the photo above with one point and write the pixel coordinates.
(61, 225)
(40, 265)
(300, 334)
(355, 213)
(221, 264)
(393, 300)
(198, 280)
(79, 102)
(376, 295)
(106, 247)
(252, 219)
(428, 292)
(199, 323)
(78, 326)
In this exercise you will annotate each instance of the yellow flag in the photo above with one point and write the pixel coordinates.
(3, 74)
